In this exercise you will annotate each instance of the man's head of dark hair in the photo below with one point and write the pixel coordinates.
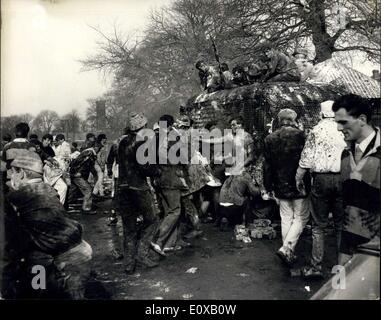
(90, 135)
(224, 66)
(22, 130)
(199, 64)
(101, 137)
(60, 137)
(168, 119)
(33, 136)
(354, 105)
(47, 136)
(7, 137)
(75, 144)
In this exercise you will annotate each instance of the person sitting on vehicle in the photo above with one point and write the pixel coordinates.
(280, 66)
(239, 76)
(209, 77)
(228, 76)
(256, 71)
(301, 61)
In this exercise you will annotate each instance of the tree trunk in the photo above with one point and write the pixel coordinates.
(315, 20)
(323, 51)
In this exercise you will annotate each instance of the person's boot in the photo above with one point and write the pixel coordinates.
(156, 247)
(130, 268)
(146, 262)
(224, 224)
(312, 272)
(285, 257)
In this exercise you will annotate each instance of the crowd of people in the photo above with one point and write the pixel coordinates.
(272, 66)
(334, 170)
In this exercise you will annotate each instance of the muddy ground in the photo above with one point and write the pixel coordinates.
(226, 269)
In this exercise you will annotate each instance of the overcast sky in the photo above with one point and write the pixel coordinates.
(42, 41)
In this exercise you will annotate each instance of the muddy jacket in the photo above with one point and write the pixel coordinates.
(43, 216)
(361, 195)
(36, 231)
(132, 175)
(236, 189)
(82, 165)
(281, 64)
(282, 153)
(172, 176)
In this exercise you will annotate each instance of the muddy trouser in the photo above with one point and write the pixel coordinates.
(326, 197)
(98, 186)
(234, 214)
(86, 190)
(73, 271)
(171, 201)
(190, 211)
(131, 204)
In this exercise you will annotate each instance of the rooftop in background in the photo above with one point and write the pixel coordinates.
(334, 72)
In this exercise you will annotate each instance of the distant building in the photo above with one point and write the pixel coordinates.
(334, 72)
(376, 75)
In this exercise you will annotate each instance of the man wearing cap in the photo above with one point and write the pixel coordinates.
(37, 233)
(134, 198)
(280, 66)
(282, 153)
(301, 61)
(321, 156)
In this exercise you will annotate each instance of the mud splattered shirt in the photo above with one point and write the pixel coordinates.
(323, 148)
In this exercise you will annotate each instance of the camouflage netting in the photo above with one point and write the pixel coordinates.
(259, 103)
